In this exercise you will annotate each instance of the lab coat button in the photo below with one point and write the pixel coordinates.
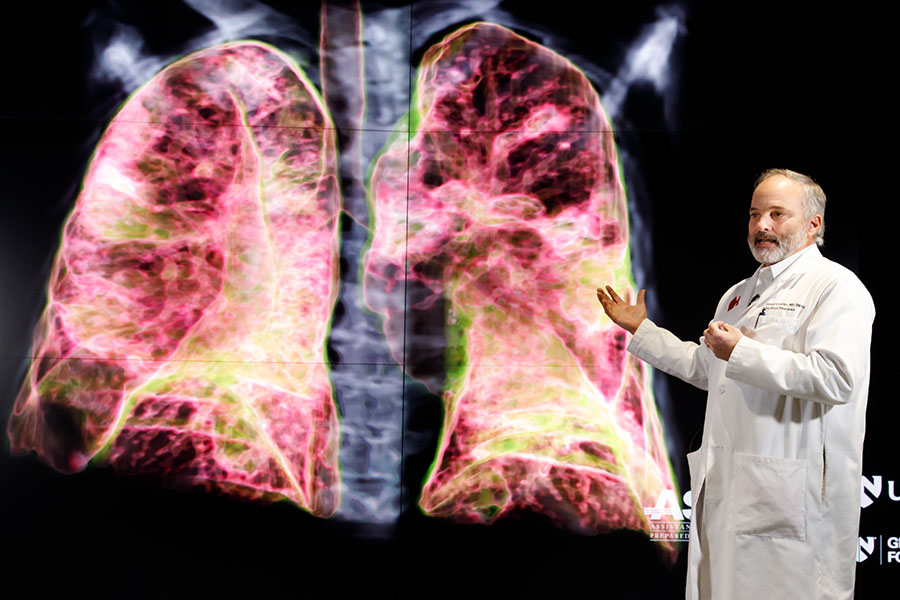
(722, 388)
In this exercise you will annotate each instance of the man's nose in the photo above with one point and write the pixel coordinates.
(764, 224)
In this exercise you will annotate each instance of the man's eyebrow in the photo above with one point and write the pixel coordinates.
(772, 207)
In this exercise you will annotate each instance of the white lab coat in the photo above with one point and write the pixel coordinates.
(777, 478)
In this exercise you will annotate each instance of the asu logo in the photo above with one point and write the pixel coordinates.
(734, 302)
(668, 520)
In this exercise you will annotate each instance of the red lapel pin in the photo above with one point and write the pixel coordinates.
(734, 302)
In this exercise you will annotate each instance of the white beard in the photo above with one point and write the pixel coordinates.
(787, 245)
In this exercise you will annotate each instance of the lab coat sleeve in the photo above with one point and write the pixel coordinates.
(666, 352)
(836, 361)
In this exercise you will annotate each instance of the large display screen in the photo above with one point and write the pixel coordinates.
(324, 274)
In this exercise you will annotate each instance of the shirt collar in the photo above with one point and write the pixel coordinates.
(772, 271)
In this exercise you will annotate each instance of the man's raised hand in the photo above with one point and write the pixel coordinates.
(626, 316)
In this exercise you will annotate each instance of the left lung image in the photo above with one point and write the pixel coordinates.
(496, 216)
(190, 301)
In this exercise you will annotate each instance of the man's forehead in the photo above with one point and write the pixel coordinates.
(773, 202)
(777, 191)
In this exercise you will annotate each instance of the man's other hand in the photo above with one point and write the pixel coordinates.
(626, 316)
(721, 338)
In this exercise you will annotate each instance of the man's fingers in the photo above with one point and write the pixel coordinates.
(716, 331)
(613, 294)
(606, 303)
(610, 295)
(604, 297)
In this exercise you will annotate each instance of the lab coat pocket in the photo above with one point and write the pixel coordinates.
(775, 330)
(769, 496)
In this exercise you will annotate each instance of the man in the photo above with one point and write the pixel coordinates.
(786, 364)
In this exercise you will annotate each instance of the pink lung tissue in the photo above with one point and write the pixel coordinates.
(189, 304)
(503, 208)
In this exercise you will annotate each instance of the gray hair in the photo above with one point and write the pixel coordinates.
(813, 196)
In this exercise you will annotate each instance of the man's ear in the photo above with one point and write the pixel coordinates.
(813, 225)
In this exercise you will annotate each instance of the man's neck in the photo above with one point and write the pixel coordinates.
(782, 265)
(794, 253)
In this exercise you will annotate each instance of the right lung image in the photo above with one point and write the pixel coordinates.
(502, 210)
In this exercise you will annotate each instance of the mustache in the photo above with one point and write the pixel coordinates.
(765, 237)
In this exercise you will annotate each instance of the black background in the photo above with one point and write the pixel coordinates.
(769, 84)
